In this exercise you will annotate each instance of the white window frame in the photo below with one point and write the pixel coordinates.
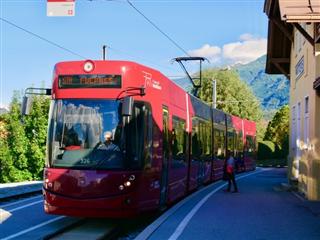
(293, 128)
(306, 122)
(298, 133)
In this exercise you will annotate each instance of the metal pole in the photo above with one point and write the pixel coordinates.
(104, 52)
(214, 93)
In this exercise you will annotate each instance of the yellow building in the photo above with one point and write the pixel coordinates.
(294, 50)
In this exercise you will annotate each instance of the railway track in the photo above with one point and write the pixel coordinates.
(86, 229)
(15, 210)
(106, 229)
(99, 229)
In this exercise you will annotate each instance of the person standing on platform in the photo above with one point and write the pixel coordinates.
(229, 168)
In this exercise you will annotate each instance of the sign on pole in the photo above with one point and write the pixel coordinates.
(60, 8)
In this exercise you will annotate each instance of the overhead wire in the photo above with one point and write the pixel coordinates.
(156, 27)
(68, 50)
(153, 24)
(76, 54)
(111, 48)
(42, 38)
(143, 59)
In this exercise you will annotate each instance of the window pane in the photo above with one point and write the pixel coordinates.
(178, 139)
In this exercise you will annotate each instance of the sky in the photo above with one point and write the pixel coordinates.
(224, 31)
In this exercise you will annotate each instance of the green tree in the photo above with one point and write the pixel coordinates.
(233, 95)
(23, 141)
(14, 146)
(36, 131)
(278, 130)
(6, 162)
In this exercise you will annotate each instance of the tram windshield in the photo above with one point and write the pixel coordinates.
(86, 134)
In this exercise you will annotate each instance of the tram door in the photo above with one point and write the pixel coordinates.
(165, 156)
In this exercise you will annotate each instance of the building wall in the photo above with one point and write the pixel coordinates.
(304, 152)
(315, 183)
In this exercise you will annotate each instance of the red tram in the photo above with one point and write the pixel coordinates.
(165, 142)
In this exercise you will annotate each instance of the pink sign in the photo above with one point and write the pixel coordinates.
(60, 8)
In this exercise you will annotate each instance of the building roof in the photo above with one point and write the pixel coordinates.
(297, 10)
(279, 40)
(283, 16)
(300, 10)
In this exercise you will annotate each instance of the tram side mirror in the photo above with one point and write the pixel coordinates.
(127, 106)
(26, 105)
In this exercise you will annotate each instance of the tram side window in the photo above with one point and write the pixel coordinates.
(236, 144)
(250, 145)
(209, 141)
(240, 142)
(165, 136)
(223, 143)
(216, 145)
(205, 133)
(195, 141)
(202, 139)
(219, 143)
(178, 139)
(231, 141)
(238, 148)
(148, 126)
(134, 135)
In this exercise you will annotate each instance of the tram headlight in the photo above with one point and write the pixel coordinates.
(88, 66)
(127, 183)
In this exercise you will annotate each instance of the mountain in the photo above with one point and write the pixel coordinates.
(271, 90)
(3, 110)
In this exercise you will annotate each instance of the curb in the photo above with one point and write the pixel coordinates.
(9, 190)
(272, 165)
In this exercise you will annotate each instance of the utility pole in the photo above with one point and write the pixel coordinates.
(104, 52)
(214, 93)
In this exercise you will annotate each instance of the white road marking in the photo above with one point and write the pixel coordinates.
(32, 228)
(24, 206)
(187, 218)
(147, 232)
(4, 215)
(18, 202)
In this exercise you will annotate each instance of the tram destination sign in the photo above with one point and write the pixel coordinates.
(89, 81)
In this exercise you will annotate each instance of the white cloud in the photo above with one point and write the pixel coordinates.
(2, 105)
(245, 51)
(213, 53)
(246, 37)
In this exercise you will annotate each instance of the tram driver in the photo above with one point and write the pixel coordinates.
(108, 143)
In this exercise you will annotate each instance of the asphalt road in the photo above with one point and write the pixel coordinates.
(26, 219)
(262, 210)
